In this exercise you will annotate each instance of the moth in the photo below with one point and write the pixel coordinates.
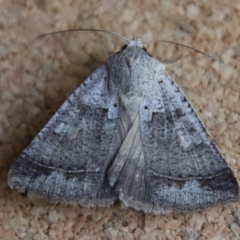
(127, 133)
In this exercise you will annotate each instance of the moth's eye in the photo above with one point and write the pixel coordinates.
(144, 49)
(124, 47)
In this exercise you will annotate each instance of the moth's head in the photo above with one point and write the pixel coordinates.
(135, 42)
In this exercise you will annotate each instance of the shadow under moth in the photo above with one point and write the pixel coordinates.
(127, 133)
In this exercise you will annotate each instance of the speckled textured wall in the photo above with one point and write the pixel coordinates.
(37, 75)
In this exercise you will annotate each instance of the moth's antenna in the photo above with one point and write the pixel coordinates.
(86, 29)
(192, 48)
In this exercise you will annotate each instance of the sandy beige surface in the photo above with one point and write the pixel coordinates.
(37, 75)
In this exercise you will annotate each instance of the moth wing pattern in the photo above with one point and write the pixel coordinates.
(171, 165)
(67, 160)
(185, 170)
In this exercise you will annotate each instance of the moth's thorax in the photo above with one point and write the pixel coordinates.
(132, 69)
